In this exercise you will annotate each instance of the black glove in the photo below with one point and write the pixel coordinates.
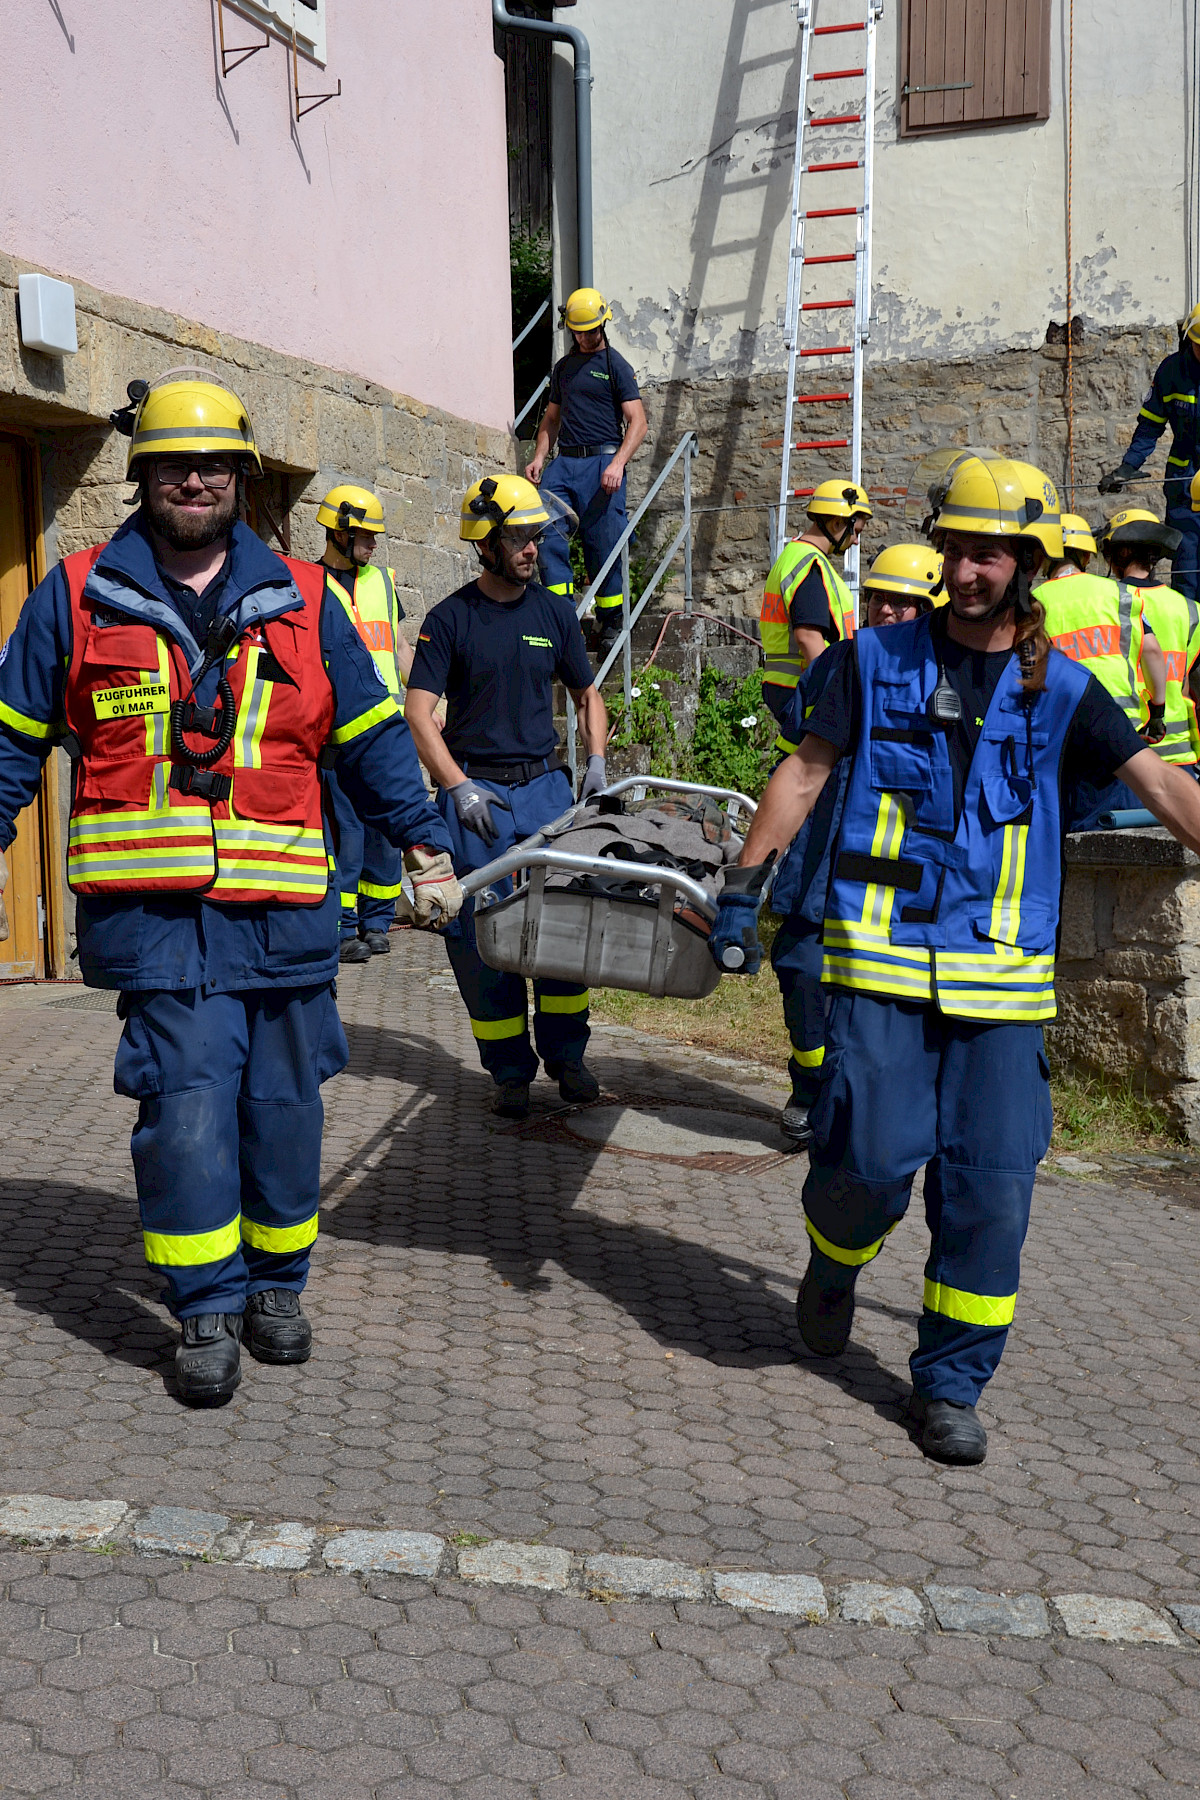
(474, 808)
(1116, 479)
(1155, 728)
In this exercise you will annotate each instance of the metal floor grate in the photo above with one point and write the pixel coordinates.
(91, 1000)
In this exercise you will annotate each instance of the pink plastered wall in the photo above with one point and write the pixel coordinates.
(371, 237)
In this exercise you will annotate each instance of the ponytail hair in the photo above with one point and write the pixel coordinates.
(1032, 647)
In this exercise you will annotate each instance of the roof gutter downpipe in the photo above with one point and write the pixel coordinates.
(568, 34)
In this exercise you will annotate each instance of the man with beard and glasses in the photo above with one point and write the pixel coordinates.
(199, 682)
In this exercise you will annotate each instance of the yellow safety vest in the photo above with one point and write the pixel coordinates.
(782, 665)
(1099, 623)
(370, 603)
(1175, 622)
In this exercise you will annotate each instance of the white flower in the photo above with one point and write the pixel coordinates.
(635, 693)
(747, 723)
(655, 686)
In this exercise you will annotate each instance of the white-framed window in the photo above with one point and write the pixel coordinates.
(308, 17)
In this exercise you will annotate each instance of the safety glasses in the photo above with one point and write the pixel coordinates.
(216, 472)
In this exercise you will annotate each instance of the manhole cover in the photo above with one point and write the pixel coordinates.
(92, 1000)
(694, 1136)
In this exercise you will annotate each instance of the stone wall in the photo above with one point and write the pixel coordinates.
(1128, 974)
(1013, 400)
(315, 426)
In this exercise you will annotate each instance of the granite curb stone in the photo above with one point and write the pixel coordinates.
(292, 1546)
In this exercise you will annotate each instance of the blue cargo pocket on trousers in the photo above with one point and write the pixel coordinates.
(1043, 1110)
(137, 1071)
(828, 1113)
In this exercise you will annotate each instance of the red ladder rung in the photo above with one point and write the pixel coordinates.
(836, 74)
(824, 305)
(824, 444)
(832, 30)
(834, 212)
(838, 119)
(830, 350)
(842, 256)
(802, 493)
(813, 399)
(825, 168)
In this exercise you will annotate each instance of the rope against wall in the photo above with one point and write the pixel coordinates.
(1070, 384)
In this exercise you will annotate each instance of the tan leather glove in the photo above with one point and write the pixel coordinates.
(437, 897)
(3, 885)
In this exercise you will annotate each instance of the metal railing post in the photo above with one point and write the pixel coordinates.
(627, 634)
(687, 521)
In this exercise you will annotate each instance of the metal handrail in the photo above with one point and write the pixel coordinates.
(688, 448)
(532, 400)
(529, 325)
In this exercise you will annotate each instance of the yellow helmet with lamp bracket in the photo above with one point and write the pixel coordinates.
(187, 412)
(585, 310)
(907, 571)
(350, 508)
(499, 502)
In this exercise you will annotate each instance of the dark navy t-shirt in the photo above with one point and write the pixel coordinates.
(496, 662)
(591, 390)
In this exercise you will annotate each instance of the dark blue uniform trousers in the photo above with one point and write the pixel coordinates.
(369, 868)
(227, 1145)
(905, 1086)
(796, 957)
(602, 519)
(499, 1003)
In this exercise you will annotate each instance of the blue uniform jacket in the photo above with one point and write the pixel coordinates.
(802, 880)
(1174, 400)
(167, 941)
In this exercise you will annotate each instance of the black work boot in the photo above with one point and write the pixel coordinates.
(511, 1100)
(793, 1122)
(353, 950)
(948, 1430)
(377, 943)
(208, 1362)
(576, 1082)
(825, 1304)
(276, 1330)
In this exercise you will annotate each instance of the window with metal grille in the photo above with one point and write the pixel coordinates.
(968, 63)
(279, 16)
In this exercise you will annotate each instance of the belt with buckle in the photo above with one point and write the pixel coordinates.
(588, 449)
(514, 774)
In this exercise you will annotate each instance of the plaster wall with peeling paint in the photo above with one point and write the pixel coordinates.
(694, 124)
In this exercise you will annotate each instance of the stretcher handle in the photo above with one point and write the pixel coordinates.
(737, 801)
(645, 874)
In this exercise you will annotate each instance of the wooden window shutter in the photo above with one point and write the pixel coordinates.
(973, 62)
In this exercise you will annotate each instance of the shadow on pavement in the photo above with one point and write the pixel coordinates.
(74, 1255)
(513, 1201)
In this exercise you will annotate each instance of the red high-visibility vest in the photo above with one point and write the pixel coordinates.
(256, 834)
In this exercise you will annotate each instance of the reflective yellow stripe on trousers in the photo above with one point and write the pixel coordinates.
(969, 1309)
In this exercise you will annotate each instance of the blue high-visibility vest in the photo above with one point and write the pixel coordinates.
(961, 916)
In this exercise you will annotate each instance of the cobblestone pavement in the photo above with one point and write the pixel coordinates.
(525, 1336)
(124, 1678)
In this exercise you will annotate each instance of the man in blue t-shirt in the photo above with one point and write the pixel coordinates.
(596, 417)
(495, 649)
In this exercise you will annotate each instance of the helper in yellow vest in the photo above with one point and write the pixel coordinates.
(1133, 543)
(369, 868)
(806, 604)
(1079, 547)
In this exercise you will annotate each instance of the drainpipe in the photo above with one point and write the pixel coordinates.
(568, 34)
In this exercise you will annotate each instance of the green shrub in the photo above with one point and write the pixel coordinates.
(733, 743)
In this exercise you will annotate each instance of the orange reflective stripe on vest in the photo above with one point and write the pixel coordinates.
(1099, 623)
(781, 664)
(1175, 622)
(131, 831)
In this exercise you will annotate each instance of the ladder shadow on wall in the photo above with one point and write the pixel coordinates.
(729, 175)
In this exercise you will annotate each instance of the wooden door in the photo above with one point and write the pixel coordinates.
(27, 896)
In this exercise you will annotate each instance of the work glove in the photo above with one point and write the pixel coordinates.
(435, 887)
(1116, 479)
(1155, 728)
(733, 940)
(595, 780)
(3, 885)
(474, 809)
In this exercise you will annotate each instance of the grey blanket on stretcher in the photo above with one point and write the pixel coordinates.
(671, 837)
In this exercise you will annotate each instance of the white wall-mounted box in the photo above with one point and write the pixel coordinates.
(47, 315)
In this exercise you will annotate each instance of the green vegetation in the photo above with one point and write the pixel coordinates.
(725, 750)
(530, 267)
(1102, 1112)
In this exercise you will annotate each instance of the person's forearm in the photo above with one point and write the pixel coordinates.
(790, 796)
(636, 428)
(1172, 796)
(404, 658)
(1154, 669)
(431, 746)
(593, 720)
(808, 643)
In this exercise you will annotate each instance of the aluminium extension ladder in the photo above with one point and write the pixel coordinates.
(807, 318)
